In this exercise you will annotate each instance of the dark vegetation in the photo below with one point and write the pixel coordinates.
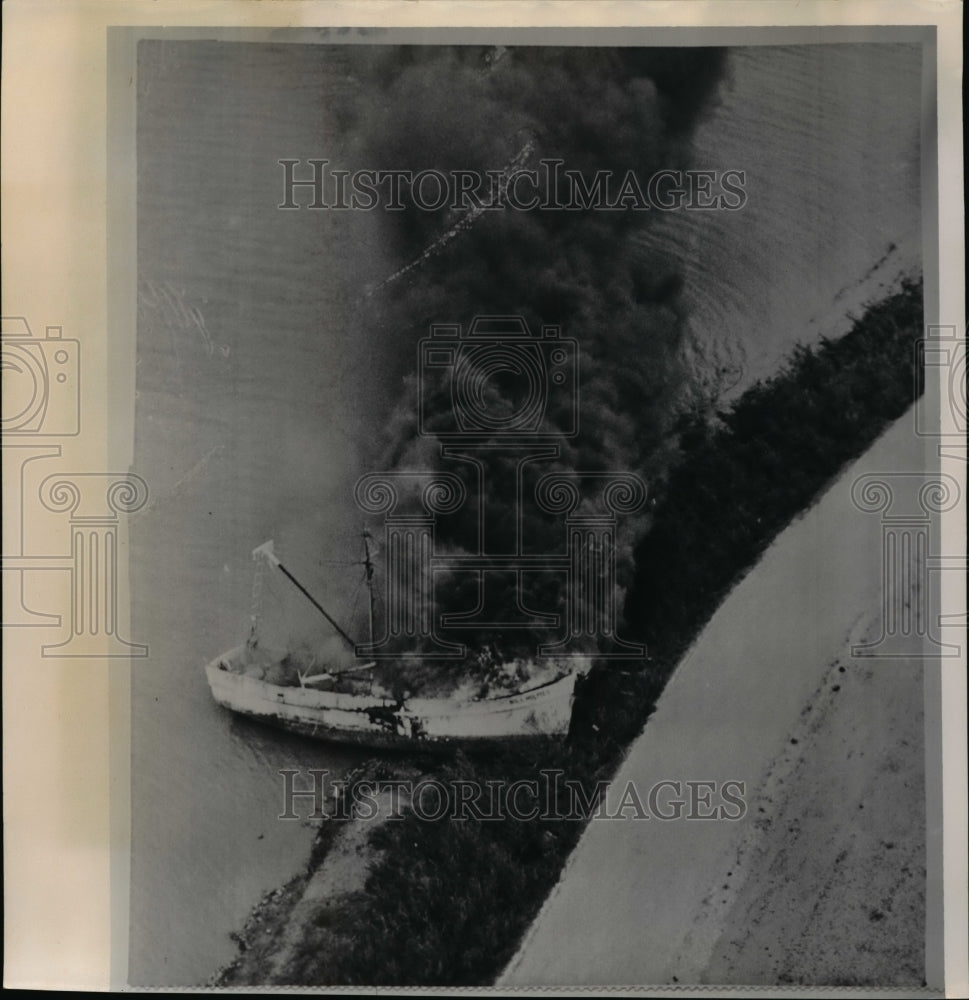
(449, 901)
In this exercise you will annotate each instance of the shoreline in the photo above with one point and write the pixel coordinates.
(340, 861)
(706, 667)
(652, 904)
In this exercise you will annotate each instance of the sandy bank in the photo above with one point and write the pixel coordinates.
(276, 935)
(828, 885)
(805, 887)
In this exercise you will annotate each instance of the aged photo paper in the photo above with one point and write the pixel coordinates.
(484, 496)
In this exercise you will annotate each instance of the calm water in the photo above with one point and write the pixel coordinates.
(250, 389)
(242, 435)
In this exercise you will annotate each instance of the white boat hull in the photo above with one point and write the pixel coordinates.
(543, 711)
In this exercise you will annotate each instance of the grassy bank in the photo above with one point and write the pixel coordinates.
(448, 901)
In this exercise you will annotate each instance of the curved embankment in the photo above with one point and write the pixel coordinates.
(823, 879)
(272, 944)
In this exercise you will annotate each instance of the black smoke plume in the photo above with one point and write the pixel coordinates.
(479, 109)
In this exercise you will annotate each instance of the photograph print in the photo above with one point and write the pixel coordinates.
(535, 574)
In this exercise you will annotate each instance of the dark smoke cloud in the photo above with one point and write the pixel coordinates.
(477, 108)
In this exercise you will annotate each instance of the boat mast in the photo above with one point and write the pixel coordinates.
(256, 601)
(368, 567)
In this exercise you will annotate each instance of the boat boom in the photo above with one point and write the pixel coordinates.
(266, 552)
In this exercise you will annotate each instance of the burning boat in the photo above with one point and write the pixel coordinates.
(342, 706)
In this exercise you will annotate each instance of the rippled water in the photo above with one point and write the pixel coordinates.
(249, 391)
(829, 138)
